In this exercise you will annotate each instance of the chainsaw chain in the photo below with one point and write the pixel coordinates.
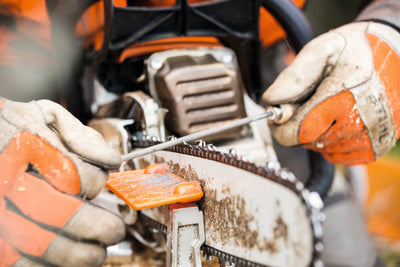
(270, 171)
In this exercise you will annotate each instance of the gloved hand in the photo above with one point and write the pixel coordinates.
(347, 85)
(49, 164)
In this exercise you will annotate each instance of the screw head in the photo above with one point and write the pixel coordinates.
(156, 63)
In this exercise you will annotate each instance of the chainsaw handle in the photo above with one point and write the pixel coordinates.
(321, 176)
(299, 33)
(292, 20)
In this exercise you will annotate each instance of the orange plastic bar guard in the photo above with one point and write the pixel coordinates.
(153, 187)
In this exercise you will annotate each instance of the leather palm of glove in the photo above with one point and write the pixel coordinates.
(49, 163)
(346, 84)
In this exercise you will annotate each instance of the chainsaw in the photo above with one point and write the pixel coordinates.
(253, 216)
(253, 212)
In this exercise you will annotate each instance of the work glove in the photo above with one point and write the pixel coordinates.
(49, 164)
(345, 87)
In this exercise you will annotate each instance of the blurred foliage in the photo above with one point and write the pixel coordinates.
(391, 259)
(395, 151)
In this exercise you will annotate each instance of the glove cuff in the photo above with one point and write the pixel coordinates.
(385, 12)
(385, 46)
(378, 108)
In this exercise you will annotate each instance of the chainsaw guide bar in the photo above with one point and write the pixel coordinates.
(270, 172)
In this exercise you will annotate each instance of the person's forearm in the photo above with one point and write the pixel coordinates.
(384, 11)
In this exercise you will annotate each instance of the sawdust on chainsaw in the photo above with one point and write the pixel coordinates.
(238, 225)
(232, 207)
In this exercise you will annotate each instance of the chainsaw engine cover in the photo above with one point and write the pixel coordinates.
(199, 92)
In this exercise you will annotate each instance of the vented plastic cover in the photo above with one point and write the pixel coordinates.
(199, 93)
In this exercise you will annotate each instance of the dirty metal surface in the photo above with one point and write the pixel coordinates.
(254, 216)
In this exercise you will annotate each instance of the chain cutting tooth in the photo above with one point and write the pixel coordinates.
(299, 186)
(319, 247)
(315, 200)
(290, 176)
(266, 169)
(232, 152)
(322, 217)
(318, 263)
(201, 143)
(211, 148)
(172, 137)
(246, 159)
(273, 165)
(318, 231)
(284, 174)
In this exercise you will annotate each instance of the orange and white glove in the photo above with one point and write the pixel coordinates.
(346, 84)
(49, 164)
